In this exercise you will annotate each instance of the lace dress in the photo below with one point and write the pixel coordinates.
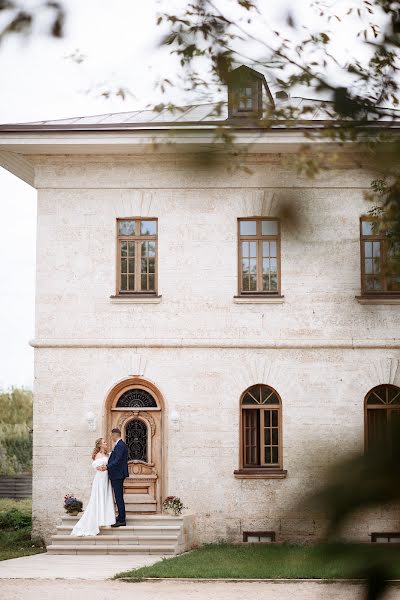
(100, 508)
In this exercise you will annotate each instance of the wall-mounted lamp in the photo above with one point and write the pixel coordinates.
(91, 421)
(174, 417)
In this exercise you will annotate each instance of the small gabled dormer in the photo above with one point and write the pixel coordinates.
(248, 92)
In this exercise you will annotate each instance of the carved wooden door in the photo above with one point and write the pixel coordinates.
(137, 412)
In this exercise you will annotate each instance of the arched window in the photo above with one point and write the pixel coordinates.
(261, 430)
(136, 398)
(382, 414)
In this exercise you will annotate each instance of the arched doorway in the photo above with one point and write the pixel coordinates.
(136, 406)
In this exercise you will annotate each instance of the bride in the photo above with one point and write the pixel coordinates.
(100, 508)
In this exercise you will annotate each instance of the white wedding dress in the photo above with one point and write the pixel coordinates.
(100, 508)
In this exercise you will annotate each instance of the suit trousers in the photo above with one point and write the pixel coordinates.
(118, 487)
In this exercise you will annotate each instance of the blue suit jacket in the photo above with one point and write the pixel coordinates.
(118, 462)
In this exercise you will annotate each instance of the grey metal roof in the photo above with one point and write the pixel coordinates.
(310, 111)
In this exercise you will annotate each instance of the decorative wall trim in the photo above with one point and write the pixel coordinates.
(281, 344)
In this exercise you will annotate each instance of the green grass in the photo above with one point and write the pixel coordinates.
(15, 530)
(227, 561)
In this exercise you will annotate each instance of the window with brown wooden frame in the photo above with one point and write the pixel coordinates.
(382, 417)
(260, 430)
(377, 276)
(259, 256)
(137, 256)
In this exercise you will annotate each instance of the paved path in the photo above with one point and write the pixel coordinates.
(169, 590)
(54, 566)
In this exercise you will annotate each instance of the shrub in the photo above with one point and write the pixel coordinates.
(15, 519)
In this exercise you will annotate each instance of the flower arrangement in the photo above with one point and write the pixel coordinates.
(174, 504)
(72, 505)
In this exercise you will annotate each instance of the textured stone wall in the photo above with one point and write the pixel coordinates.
(322, 385)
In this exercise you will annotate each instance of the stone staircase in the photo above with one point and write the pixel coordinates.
(143, 534)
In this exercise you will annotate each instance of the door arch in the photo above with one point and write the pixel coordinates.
(136, 407)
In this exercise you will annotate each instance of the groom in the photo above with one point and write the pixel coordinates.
(117, 468)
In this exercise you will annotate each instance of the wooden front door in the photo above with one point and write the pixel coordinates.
(136, 409)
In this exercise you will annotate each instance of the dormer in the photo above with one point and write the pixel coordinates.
(248, 92)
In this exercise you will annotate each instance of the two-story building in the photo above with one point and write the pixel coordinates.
(233, 317)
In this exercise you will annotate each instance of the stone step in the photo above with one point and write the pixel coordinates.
(137, 520)
(129, 530)
(110, 549)
(157, 540)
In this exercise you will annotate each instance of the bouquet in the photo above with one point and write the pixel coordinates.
(174, 503)
(72, 505)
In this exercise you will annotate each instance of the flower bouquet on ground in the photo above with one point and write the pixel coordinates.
(173, 504)
(72, 505)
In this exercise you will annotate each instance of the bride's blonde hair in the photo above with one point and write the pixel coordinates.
(97, 447)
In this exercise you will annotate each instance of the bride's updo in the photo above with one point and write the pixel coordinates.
(97, 448)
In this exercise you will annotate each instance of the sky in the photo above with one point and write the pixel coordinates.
(39, 80)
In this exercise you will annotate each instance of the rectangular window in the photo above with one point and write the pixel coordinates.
(137, 256)
(259, 256)
(377, 276)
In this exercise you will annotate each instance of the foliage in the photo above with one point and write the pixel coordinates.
(174, 503)
(72, 504)
(15, 431)
(270, 561)
(17, 18)
(15, 530)
(209, 40)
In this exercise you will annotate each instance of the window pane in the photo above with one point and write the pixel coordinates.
(123, 282)
(144, 248)
(272, 263)
(131, 282)
(151, 283)
(126, 227)
(144, 265)
(152, 264)
(274, 418)
(275, 436)
(245, 283)
(269, 227)
(253, 265)
(267, 454)
(148, 227)
(151, 248)
(253, 283)
(272, 248)
(367, 227)
(245, 266)
(274, 454)
(123, 265)
(124, 249)
(368, 265)
(368, 249)
(273, 282)
(144, 282)
(248, 227)
(253, 249)
(376, 246)
(131, 249)
(131, 265)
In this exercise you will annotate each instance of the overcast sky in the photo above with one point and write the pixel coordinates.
(38, 81)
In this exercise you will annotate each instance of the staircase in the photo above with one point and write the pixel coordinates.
(143, 534)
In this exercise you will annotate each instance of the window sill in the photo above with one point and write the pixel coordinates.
(260, 474)
(259, 299)
(378, 299)
(135, 299)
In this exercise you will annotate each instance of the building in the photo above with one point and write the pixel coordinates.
(233, 320)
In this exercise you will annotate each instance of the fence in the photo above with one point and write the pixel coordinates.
(19, 486)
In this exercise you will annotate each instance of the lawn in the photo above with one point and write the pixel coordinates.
(278, 561)
(15, 529)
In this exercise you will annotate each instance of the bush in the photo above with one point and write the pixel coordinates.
(15, 519)
(15, 428)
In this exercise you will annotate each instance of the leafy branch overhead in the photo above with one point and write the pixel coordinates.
(17, 18)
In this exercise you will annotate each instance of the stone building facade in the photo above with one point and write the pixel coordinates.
(197, 344)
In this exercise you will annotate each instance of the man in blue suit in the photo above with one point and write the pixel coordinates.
(117, 468)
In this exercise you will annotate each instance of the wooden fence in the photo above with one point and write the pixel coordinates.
(19, 486)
